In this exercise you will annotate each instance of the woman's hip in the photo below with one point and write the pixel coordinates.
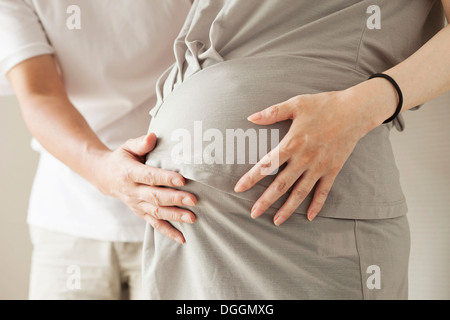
(228, 255)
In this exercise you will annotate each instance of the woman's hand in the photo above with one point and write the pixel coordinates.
(122, 174)
(325, 129)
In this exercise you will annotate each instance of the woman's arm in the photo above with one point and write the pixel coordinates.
(326, 127)
(62, 130)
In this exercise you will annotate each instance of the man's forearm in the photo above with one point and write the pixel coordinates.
(63, 132)
(51, 117)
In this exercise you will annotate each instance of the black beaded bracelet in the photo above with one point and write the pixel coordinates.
(399, 92)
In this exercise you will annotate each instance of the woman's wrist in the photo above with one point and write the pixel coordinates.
(375, 100)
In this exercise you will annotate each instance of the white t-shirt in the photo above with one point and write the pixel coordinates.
(111, 54)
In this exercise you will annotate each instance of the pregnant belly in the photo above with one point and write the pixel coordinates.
(202, 125)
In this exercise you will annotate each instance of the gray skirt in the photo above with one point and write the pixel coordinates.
(228, 255)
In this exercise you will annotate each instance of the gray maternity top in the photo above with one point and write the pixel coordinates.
(234, 58)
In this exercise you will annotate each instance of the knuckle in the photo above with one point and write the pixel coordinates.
(335, 169)
(264, 164)
(323, 166)
(296, 103)
(323, 193)
(291, 146)
(270, 160)
(127, 175)
(330, 172)
(157, 212)
(281, 186)
(274, 111)
(127, 193)
(151, 177)
(299, 194)
(176, 199)
(299, 166)
(154, 198)
(297, 99)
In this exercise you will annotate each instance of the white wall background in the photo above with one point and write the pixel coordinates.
(423, 156)
(17, 166)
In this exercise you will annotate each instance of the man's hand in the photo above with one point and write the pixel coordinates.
(123, 175)
(62, 130)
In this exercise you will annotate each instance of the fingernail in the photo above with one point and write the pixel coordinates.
(255, 117)
(177, 182)
(253, 212)
(180, 240)
(186, 219)
(188, 202)
(311, 215)
(278, 221)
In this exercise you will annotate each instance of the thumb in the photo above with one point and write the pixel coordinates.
(142, 145)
